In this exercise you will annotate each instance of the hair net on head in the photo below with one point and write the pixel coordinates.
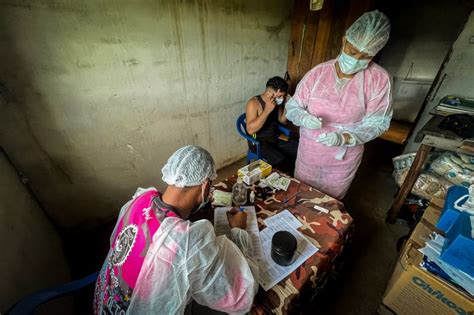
(189, 166)
(370, 32)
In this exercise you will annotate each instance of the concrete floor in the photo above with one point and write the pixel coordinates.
(370, 259)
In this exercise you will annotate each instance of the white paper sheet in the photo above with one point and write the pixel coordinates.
(221, 227)
(272, 273)
(286, 216)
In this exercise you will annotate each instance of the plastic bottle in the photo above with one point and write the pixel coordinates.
(252, 197)
(239, 193)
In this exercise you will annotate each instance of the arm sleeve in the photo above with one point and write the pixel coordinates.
(221, 276)
(296, 106)
(377, 119)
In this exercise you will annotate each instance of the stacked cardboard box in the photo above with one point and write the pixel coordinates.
(413, 290)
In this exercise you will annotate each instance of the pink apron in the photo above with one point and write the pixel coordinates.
(316, 163)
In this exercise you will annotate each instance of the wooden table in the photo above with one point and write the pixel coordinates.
(430, 136)
(328, 232)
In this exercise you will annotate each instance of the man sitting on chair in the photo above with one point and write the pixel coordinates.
(264, 113)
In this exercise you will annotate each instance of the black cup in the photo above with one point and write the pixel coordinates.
(283, 248)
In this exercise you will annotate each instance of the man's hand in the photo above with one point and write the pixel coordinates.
(270, 105)
(237, 219)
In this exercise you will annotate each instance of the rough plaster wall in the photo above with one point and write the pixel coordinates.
(32, 257)
(459, 79)
(100, 93)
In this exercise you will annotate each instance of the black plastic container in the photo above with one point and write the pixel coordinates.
(283, 248)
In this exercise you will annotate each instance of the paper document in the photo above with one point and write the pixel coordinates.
(222, 227)
(285, 216)
(272, 273)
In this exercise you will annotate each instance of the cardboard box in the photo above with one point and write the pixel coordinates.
(255, 171)
(431, 214)
(437, 203)
(412, 290)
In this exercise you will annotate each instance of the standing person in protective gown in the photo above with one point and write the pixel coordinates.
(340, 105)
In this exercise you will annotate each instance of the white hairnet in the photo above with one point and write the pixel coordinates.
(189, 166)
(370, 32)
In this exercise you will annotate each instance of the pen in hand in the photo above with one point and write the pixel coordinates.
(237, 219)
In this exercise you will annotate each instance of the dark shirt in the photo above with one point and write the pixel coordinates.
(269, 131)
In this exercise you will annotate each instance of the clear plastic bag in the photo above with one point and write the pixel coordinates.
(428, 185)
(457, 169)
(403, 161)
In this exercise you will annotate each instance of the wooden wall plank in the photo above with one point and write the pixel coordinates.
(324, 31)
(338, 28)
(356, 9)
(309, 39)
(296, 38)
(316, 35)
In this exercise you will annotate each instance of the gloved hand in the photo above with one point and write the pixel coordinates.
(331, 139)
(311, 122)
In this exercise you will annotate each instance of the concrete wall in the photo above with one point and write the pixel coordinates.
(421, 35)
(32, 257)
(98, 94)
(458, 75)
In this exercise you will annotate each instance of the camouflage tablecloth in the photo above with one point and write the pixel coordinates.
(328, 232)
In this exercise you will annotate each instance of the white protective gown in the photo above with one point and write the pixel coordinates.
(186, 260)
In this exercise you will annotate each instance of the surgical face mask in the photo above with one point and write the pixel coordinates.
(351, 65)
(279, 100)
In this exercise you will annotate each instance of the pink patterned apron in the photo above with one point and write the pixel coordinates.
(134, 234)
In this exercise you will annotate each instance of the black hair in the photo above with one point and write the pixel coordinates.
(278, 83)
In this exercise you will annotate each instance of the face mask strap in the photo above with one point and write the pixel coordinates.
(203, 202)
(202, 195)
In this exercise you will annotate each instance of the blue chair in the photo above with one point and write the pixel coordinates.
(241, 125)
(28, 304)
